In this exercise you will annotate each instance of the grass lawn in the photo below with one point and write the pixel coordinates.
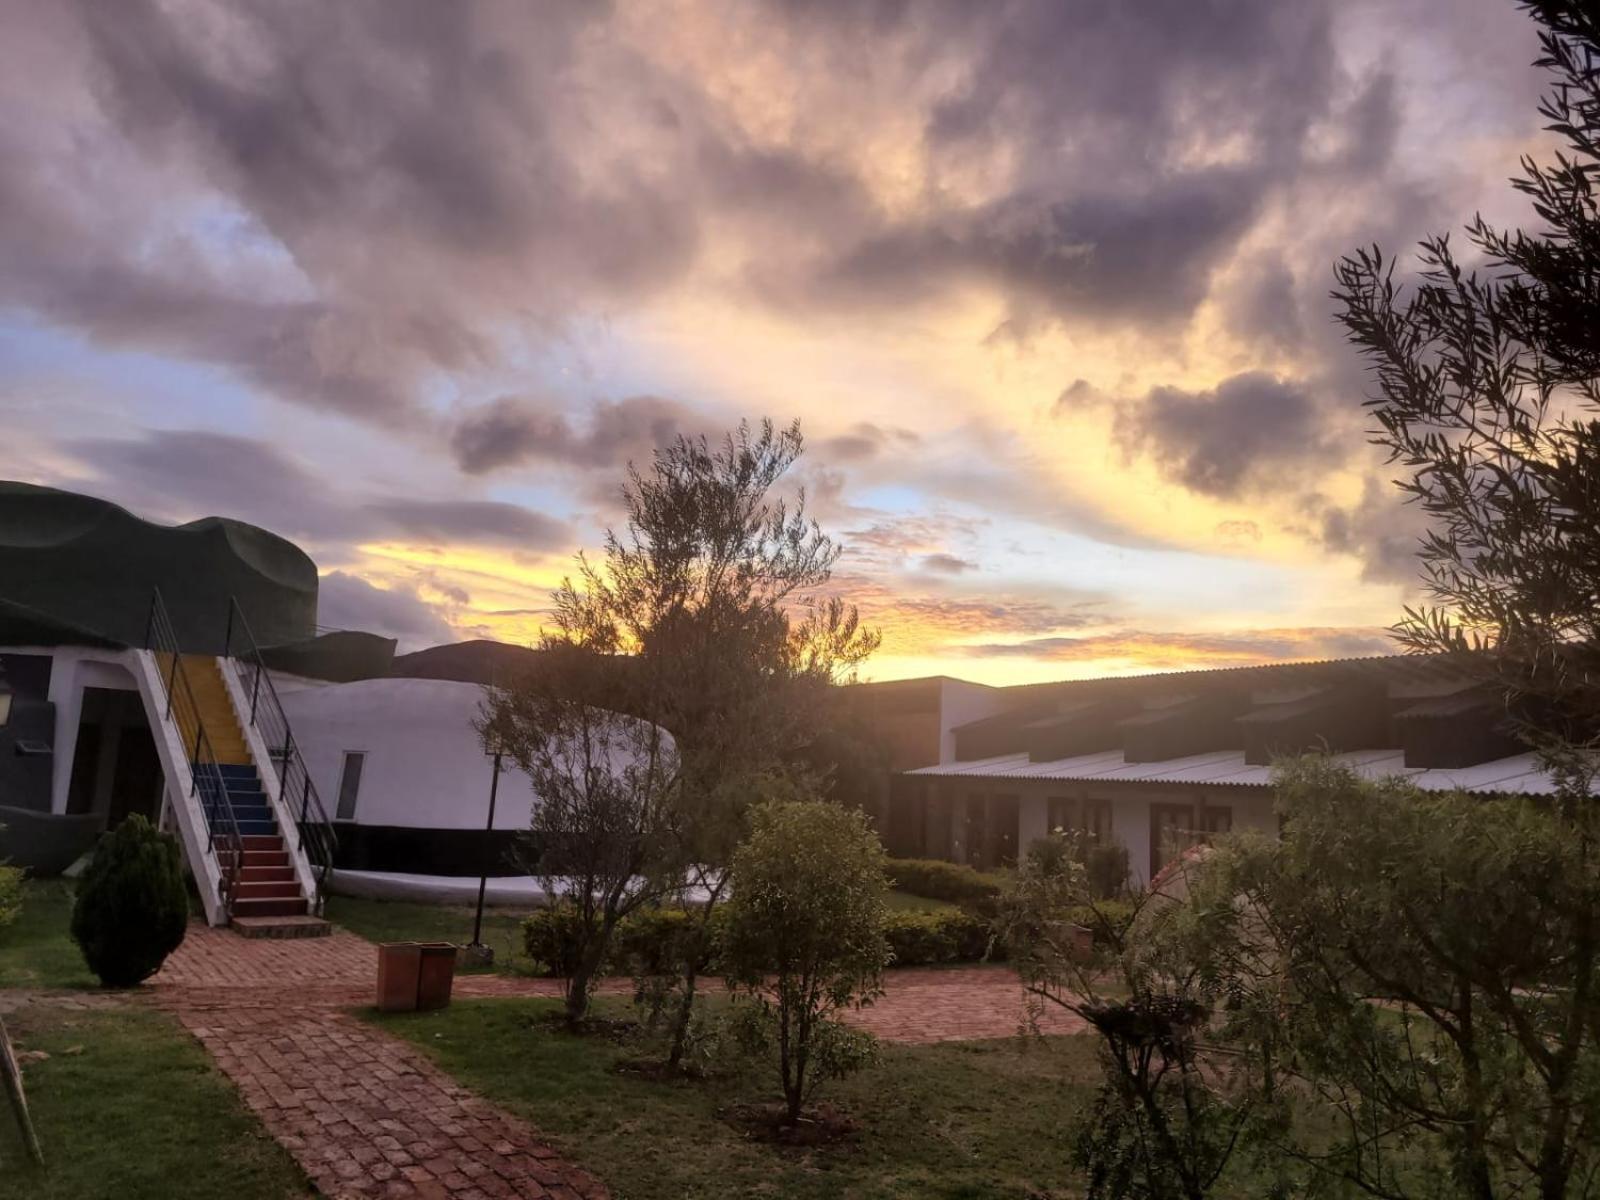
(975, 1120)
(128, 1105)
(37, 950)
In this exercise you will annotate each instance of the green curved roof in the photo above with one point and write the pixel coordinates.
(86, 564)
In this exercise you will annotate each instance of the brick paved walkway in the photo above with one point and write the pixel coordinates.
(367, 1116)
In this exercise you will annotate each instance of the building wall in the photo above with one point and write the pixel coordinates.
(424, 768)
(949, 801)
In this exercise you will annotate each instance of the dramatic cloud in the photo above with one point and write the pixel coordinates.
(181, 474)
(411, 283)
(511, 431)
(348, 602)
(1246, 430)
(443, 522)
(947, 564)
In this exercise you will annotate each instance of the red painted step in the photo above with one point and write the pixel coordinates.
(286, 906)
(287, 888)
(262, 841)
(266, 872)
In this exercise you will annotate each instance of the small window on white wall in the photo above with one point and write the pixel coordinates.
(350, 784)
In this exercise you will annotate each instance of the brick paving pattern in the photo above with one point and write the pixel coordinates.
(368, 1116)
(920, 1004)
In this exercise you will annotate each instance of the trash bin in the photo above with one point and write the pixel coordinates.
(435, 974)
(399, 965)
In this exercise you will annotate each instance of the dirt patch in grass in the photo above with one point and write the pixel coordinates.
(822, 1125)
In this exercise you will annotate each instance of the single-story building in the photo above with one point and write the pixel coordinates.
(1159, 762)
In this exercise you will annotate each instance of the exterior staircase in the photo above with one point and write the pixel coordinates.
(267, 899)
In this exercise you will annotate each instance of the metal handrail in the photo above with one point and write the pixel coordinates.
(182, 709)
(314, 832)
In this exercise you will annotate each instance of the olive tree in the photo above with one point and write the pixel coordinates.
(803, 938)
(712, 592)
(1406, 973)
(603, 781)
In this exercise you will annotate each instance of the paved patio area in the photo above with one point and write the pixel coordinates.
(923, 1004)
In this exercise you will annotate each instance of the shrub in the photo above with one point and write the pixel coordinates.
(1104, 864)
(1105, 868)
(805, 936)
(1106, 919)
(553, 938)
(647, 942)
(933, 879)
(927, 938)
(10, 894)
(132, 908)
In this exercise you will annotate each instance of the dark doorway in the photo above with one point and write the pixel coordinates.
(1002, 848)
(116, 770)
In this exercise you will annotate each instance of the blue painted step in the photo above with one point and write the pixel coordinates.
(246, 799)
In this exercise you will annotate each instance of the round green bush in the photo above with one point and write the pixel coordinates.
(132, 907)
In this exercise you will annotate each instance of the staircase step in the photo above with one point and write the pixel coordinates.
(263, 842)
(282, 927)
(258, 860)
(275, 873)
(286, 889)
(287, 906)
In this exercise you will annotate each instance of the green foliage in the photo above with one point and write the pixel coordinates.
(935, 879)
(1426, 963)
(1488, 381)
(805, 933)
(1104, 864)
(132, 907)
(553, 937)
(10, 894)
(921, 939)
(1107, 920)
(1105, 868)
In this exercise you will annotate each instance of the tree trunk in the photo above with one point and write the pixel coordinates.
(680, 1025)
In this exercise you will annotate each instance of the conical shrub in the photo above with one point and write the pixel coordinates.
(132, 907)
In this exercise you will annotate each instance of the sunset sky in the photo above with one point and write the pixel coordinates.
(1045, 282)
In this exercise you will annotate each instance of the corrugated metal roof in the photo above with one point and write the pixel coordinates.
(1519, 774)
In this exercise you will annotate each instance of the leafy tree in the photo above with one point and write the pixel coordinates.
(132, 908)
(1487, 385)
(603, 782)
(710, 592)
(804, 936)
(1168, 1122)
(1412, 964)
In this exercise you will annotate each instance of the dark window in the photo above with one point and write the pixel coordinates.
(350, 784)
(1097, 820)
(1060, 813)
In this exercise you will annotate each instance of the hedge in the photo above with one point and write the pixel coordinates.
(926, 938)
(934, 879)
(1103, 918)
(646, 942)
(650, 941)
